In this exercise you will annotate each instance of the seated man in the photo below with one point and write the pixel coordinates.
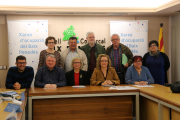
(50, 76)
(19, 76)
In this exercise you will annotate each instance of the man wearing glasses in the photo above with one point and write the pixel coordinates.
(115, 52)
(19, 76)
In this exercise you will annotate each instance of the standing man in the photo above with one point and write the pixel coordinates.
(92, 50)
(50, 76)
(71, 52)
(19, 76)
(115, 52)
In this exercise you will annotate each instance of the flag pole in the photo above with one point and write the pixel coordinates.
(161, 43)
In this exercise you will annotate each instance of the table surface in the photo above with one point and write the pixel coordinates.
(162, 93)
(3, 105)
(70, 90)
(159, 92)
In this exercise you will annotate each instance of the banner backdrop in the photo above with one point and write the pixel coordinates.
(27, 38)
(133, 34)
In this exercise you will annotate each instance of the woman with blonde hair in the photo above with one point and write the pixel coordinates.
(77, 76)
(104, 74)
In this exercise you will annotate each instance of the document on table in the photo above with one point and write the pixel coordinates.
(108, 85)
(10, 107)
(143, 85)
(9, 92)
(12, 115)
(49, 88)
(22, 96)
(79, 86)
(17, 102)
(123, 88)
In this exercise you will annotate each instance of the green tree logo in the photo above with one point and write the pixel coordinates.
(69, 33)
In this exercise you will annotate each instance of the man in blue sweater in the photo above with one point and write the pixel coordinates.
(19, 76)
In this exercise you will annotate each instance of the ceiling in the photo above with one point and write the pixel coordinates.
(168, 9)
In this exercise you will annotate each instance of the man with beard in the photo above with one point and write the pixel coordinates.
(19, 76)
(92, 51)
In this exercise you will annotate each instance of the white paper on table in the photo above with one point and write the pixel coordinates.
(123, 88)
(17, 102)
(11, 115)
(6, 92)
(1, 99)
(7, 99)
(49, 88)
(79, 86)
(143, 85)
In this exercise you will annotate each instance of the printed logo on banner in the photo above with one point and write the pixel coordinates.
(27, 38)
(133, 34)
(69, 33)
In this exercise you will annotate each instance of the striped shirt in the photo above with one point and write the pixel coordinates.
(115, 56)
(24, 78)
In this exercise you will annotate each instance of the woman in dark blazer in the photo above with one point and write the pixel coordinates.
(157, 62)
(77, 76)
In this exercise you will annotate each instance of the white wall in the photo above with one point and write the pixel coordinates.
(100, 25)
(175, 48)
(82, 24)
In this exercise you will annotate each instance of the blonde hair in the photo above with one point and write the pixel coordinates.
(72, 62)
(98, 65)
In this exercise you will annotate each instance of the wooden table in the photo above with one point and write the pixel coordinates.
(156, 101)
(90, 103)
(3, 105)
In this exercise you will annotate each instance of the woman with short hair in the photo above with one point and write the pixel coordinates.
(138, 74)
(77, 76)
(50, 43)
(157, 62)
(104, 74)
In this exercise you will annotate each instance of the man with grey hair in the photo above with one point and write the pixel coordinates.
(92, 50)
(50, 76)
(115, 52)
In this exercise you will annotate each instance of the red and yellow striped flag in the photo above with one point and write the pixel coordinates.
(161, 43)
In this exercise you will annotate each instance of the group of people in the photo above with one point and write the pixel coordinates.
(90, 65)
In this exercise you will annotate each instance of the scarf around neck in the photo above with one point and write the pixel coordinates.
(154, 55)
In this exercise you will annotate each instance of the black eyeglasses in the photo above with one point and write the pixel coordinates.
(50, 42)
(115, 39)
(21, 63)
(137, 61)
(153, 45)
(77, 62)
(104, 60)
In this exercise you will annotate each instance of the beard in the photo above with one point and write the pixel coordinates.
(20, 70)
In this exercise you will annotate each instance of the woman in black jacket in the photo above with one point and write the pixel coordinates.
(157, 62)
(77, 76)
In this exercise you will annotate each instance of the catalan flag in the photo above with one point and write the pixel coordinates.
(161, 43)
